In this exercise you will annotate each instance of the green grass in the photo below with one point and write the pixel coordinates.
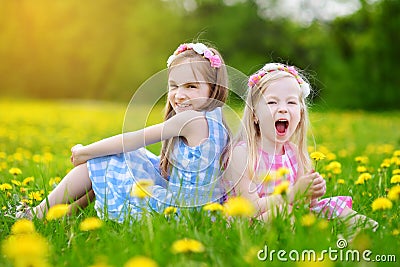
(36, 137)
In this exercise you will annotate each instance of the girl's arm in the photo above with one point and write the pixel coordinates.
(237, 172)
(182, 124)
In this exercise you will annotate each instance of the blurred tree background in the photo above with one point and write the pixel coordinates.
(105, 49)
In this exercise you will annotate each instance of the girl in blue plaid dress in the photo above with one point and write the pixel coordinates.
(117, 170)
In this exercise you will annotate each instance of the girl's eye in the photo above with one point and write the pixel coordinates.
(193, 86)
(271, 102)
(292, 102)
(172, 87)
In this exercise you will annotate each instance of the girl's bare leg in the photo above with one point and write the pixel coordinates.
(81, 203)
(355, 222)
(352, 218)
(73, 187)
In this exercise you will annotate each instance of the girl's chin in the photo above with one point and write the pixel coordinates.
(282, 138)
(181, 109)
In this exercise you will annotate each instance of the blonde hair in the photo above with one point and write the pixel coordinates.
(217, 79)
(249, 131)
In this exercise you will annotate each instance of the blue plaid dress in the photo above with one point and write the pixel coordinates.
(193, 181)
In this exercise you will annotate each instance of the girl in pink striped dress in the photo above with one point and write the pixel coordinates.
(273, 138)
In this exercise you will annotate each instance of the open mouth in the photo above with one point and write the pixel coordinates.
(281, 126)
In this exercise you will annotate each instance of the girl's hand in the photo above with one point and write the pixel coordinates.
(318, 187)
(309, 185)
(78, 157)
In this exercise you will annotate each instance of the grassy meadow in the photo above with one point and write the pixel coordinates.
(362, 160)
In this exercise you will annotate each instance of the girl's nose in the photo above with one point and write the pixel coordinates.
(180, 94)
(282, 109)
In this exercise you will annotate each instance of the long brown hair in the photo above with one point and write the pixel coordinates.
(217, 79)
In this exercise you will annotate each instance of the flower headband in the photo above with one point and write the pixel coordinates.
(271, 67)
(200, 49)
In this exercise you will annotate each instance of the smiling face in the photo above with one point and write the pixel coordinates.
(278, 112)
(187, 88)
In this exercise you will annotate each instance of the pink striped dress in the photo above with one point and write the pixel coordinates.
(268, 164)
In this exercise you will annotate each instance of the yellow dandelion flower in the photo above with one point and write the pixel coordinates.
(37, 158)
(361, 169)
(239, 206)
(323, 224)
(330, 156)
(324, 150)
(15, 171)
(282, 172)
(266, 178)
(362, 159)
(18, 157)
(337, 171)
(54, 181)
(15, 182)
(213, 207)
(359, 181)
(5, 186)
(365, 176)
(141, 261)
(335, 167)
(142, 188)
(170, 211)
(27, 180)
(3, 165)
(23, 189)
(381, 203)
(26, 249)
(396, 232)
(396, 153)
(396, 171)
(394, 193)
(90, 224)
(308, 219)
(341, 181)
(317, 156)
(23, 226)
(386, 149)
(385, 164)
(47, 157)
(3, 155)
(57, 211)
(37, 196)
(187, 245)
(281, 188)
(395, 179)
